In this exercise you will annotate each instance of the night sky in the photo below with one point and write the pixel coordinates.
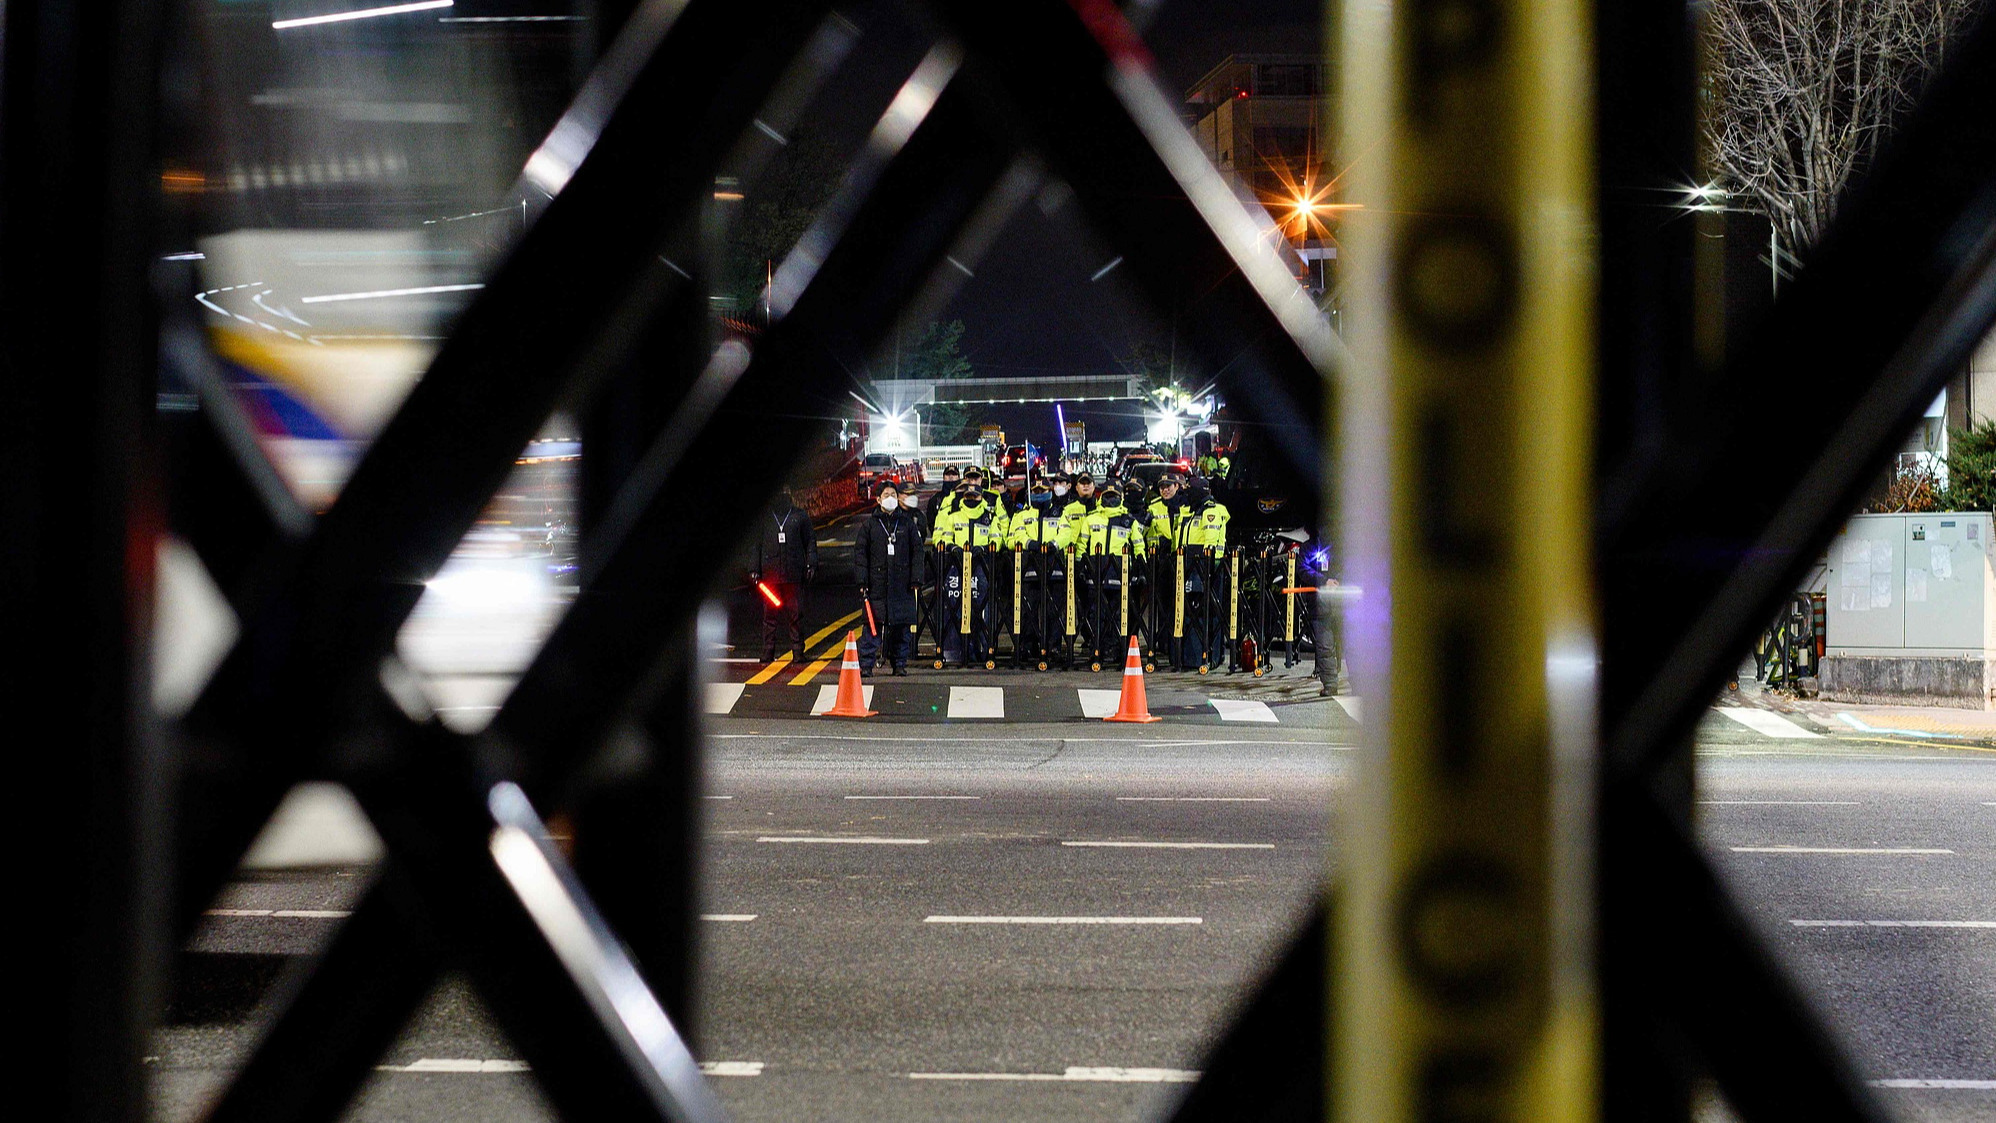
(1032, 309)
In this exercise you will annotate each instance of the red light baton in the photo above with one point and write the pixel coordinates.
(769, 595)
(872, 629)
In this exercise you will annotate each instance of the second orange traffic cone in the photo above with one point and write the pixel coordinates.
(1131, 706)
(851, 698)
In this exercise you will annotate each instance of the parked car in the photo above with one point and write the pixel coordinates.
(1131, 459)
(875, 467)
(1021, 461)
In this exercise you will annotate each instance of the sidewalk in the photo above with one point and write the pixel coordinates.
(1921, 722)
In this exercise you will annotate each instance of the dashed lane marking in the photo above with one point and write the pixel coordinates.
(1778, 802)
(976, 702)
(1767, 723)
(722, 696)
(729, 917)
(1836, 850)
(914, 797)
(854, 840)
(1112, 920)
(1894, 923)
(473, 1065)
(1956, 1085)
(1178, 845)
(827, 694)
(1192, 799)
(1075, 1074)
(1236, 709)
(284, 914)
(1352, 705)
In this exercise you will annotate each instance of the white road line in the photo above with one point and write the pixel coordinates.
(729, 917)
(1179, 845)
(914, 797)
(940, 919)
(284, 914)
(829, 692)
(858, 840)
(717, 797)
(1075, 1074)
(1353, 705)
(1243, 709)
(1835, 850)
(1143, 742)
(1779, 802)
(1767, 723)
(1959, 1085)
(722, 696)
(465, 1065)
(455, 1065)
(1098, 704)
(1192, 799)
(976, 701)
(1894, 923)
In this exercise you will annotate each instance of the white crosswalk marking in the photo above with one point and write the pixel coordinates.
(976, 701)
(1098, 704)
(1237, 709)
(1766, 723)
(1351, 704)
(828, 694)
(722, 696)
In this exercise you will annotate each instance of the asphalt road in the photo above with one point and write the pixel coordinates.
(830, 991)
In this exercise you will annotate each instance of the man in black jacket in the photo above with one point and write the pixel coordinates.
(786, 559)
(887, 561)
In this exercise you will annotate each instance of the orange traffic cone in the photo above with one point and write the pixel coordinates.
(1131, 706)
(851, 698)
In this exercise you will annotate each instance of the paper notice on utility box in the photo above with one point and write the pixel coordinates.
(1943, 562)
(1857, 564)
(1881, 590)
(1916, 586)
(1855, 599)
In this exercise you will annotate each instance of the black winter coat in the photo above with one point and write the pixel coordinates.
(890, 580)
(785, 562)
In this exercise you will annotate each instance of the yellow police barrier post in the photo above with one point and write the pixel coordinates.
(1460, 944)
(1289, 612)
(1072, 576)
(1018, 592)
(1125, 602)
(1178, 596)
(963, 629)
(1233, 598)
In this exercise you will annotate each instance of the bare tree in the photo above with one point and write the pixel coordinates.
(1802, 92)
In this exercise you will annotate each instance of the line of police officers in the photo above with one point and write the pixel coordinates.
(961, 539)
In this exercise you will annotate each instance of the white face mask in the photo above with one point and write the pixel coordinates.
(888, 503)
(1060, 489)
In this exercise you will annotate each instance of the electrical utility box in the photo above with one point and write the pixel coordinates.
(1912, 611)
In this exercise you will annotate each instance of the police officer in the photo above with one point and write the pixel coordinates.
(887, 558)
(1113, 533)
(1203, 538)
(1163, 532)
(972, 526)
(939, 499)
(786, 559)
(1039, 538)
